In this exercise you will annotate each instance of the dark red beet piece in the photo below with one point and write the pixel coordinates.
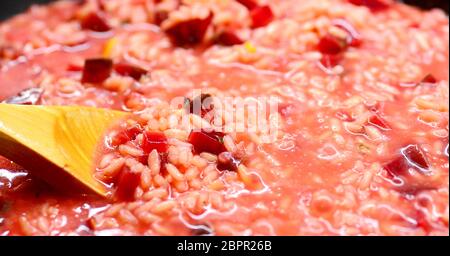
(398, 166)
(189, 32)
(160, 16)
(126, 185)
(143, 159)
(154, 140)
(354, 39)
(228, 162)
(30, 96)
(416, 157)
(411, 159)
(130, 70)
(96, 22)
(373, 5)
(261, 16)
(379, 122)
(429, 79)
(249, 4)
(331, 45)
(126, 135)
(330, 61)
(164, 158)
(410, 156)
(96, 70)
(200, 106)
(2, 203)
(228, 38)
(210, 142)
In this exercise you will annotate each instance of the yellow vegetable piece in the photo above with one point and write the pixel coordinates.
(250, 47)
(109, 47)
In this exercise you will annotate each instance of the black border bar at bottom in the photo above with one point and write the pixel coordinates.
(226, 246)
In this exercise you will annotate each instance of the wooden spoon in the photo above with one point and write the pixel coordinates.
(57, 144)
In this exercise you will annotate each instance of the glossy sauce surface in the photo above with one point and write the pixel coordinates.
(305, 181)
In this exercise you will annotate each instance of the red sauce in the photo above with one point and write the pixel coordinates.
(308, 179)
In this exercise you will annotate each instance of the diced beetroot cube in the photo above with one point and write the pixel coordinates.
(119, 139)
(154, 140)
(164, 158)
(373, 5)
(429, 79)
(398, 166)
(143, 159)
(227, 162)
(133, 132)
(249, 4)
(261, 16)
(130, 70)
(96, 70)
(126, 135)
(210, 142)
(30, 96)
(126, 185)
(201, 106)
(330, 61)
(411, 157)
(96, 22)
(379, 122)
(160, 17)
(416, 157)
(228, 38)
(2, 202)
(354, 38)
(189, 32)
(331, 45)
